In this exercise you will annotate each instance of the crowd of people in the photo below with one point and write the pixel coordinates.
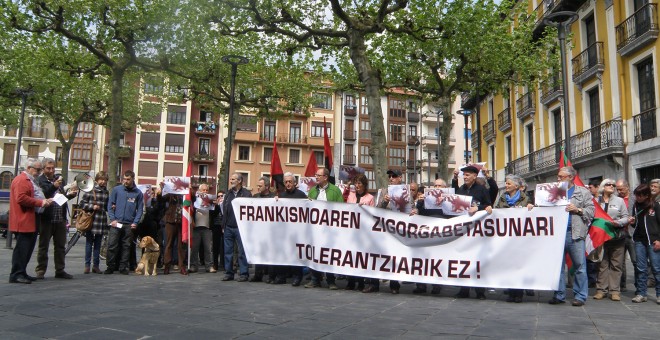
(125, 214)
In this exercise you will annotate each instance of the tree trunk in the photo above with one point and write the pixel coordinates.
(445, 135)
(223, 180)
(115, 124)
(371, 80)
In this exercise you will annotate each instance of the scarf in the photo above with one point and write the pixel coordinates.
(511, 200)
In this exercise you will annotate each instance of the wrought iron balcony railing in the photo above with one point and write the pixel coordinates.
(504, 120)
(637, 30)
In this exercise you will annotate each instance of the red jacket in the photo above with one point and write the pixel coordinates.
(22, 217)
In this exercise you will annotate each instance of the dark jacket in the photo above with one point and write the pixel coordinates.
(479, 194)
(296, 193)
(421, 210)
(229, 219)
(54, 212)
(647, 224)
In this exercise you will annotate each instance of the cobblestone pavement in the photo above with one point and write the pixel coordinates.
(201, 306)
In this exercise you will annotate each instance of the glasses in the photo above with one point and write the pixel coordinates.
(321, 175)
(563, 176)
(609, 184)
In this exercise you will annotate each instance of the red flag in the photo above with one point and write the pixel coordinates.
(312, 166)
(326, 147)
(185, 212)
(276, 173)
(564, 161)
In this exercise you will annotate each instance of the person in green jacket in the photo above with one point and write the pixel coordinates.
(324, 191)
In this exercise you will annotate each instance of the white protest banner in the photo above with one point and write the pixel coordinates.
(551, 194)
(176, 185)
(511, 248)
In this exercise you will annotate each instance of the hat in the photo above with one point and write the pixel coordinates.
(394, 173)
(470, 168)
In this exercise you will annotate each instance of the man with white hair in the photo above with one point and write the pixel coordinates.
(291, 191)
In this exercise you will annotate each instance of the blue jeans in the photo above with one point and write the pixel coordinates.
(643, 253)
(93, 241)
(232, 234)
(576, 251)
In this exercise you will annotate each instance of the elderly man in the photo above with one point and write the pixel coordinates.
(324, 191)
(580, 213)
(52, 222)
(290, 191)
(263, 191)
(202, 235)
(232, 235)
(24, 197)
(623, 190)
(395, 178)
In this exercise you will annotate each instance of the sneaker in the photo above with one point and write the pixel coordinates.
(313, 284)
(108, 271)
(213, 270)
(599, 296)
(296, 282)
(228, 278)
(639, 299)
(242, 278)
(124, 271)
(555, 301)
(577, 303)
(192, 270)
(332, 286)
(615, 297)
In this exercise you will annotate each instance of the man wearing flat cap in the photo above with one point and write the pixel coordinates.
(395, 179)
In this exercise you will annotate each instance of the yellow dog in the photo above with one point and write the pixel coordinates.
(149, 257)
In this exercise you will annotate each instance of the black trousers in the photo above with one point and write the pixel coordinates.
(20, 258)
(119, 239)
(218, 247)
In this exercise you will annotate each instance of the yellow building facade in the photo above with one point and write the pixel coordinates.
(612, 62)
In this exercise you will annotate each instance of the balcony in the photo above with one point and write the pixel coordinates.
(283, 138)
(645, 125)
(542, 9)
(195, 181)
(203, 158)
(349, 135)
(411, 164)
(638, 30)
(504, 120)
(589, 146)
(413, 117)
(208, 128)
(348, 160)
(551, 90)
(35, 132)
(124, 151)
(475, 139)
(430, 140)
(11, 131)
(489, 131)
(365, 134)
(350, 110)
(588, 64)
(525, 105)
(413, 141)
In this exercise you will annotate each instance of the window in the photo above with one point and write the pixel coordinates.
(243, 153)
(5, 180)
(85, 130)
(397, 132)
(267, 155)
(246, 123)
(397, 108)
(317, 129)
(246, 178)
(204, 146)
(412, 130)
(269, 131)
(153, 86)
(64, 128)
(148, 169)
(118, 172)
(203, 170)
(397, 156)
(413, 107)
(364, 108)
(33, 151)
(556, 119)
(58, 157)
(509, 149)
(322, 101)
(8, 154)
(172, 169)
(365, 129)
(205, 116)
(294, 156)
(646, 85)
(11, 131)
(466, 133)
(594, 107)
(491, 110)
(174, 142)
(371, 177)
(176, 115)
(320, 159)
(81, 155)
(467, 155)
(364, 155)
(295, 132)
(492, 157)
(350, 101)
(149, 141)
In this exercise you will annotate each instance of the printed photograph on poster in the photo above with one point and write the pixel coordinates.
(433, 197)
(551, 194)
(177, 185)
(146, 191)
(456, 205)
(305, 184)
(399, 198)
(205, 201)
(347, 173)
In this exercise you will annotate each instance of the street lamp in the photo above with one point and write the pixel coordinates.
(563, 20)
(24, 94)
(234, 61)
(466, 114)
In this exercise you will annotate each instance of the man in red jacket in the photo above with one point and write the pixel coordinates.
(25, 195)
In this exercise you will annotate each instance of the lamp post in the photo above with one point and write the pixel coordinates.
(466, 114)
(234, 61)
(563, 20)
(24, 94)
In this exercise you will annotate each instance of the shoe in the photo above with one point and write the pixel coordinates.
(242, 278)
(20, 280)
(577, 303)
(192, 270)
(41, 275)
(87, 270)
(269, 281)
(394, 290)
(332, 286)
(511, 299)
(370, 289)
(123, 272)
(599, 296)
(615, 297)
(360, 287)
(313, 284)
(517, 299)
(96, 270)
(436, 290)
(350, 286)
(63, 275)
(183, 271)
(228, 278)
(108, 271)
(167, 269)
(419, 290)
(256, 279)
(31, 278)
(555, 301)
(463, 293)
(639, 299)
(213, 270)
(296, 282)
(175, 268)
(481, 296)
(279, 281)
